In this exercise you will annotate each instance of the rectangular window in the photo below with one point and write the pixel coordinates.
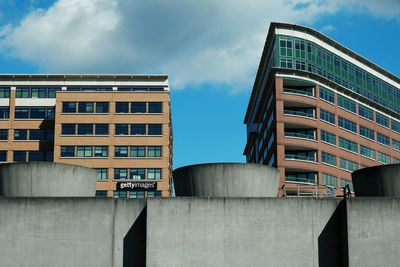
(68, 128)
(22, 92)
(327, 116)
(101, 151)
(20, 134)
(85, 107)
(329, 158)
(85, 129)
(38, 113)
(154, 151)
(328, 137)
(120, 194)
(329, 180)
(4, 92)
(102, 174)
(365, 112)
(154, 194)
(36, 156)
(21, 113)
(84, 151)
(348, 125)
(138, 129)
(19, 156)
(3, 134)
(120, 174)
(367, 152)
(138, 151)
(138, 107)
(38, 92)
(344, 182)
(3, 156)
(155, 129)
(383, 158)
(121, 129)
(383, 139)
(69, 107)
(153, 174)
(68, 151)
(39, 135)
(122, 107)
(102, 107)
(346, 103)
(155, 107)
(137, 174)
(121, 151)
(396, 145)
(101, 193)
(348, 165)
(348, 145)
(395, 126)
(382, 120)
(4, 113)
(101, 129)
(327, 95)
(366, 132)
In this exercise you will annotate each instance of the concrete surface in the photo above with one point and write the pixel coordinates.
(226, 180)
(383, 180)
(46, 179)
(233, 232)
(68, 232)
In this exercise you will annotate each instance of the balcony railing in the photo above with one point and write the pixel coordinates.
(297, 179)
(300, 157)
(299, 113)
(299, 91)
(300, 135)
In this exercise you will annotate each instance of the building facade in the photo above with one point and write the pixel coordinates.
(119, 125)
(319, 111)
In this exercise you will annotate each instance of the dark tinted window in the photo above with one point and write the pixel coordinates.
(4, 112)
(85, 107)
(155, 129)
(68, 128)
(20, 134)
(85, 129)
(121, 129)
(155, 107)
(69, 107)
(101, 129)
(138, 107)
(67, 151)
(102, 107)
(19, 156)
(138, 129)
(3, 156)
(3, 134)
(122, 107)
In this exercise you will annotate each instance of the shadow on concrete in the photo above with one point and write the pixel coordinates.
(332, 242)
(134, 254)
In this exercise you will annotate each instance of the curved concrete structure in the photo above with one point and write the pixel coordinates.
(383, 181)
(46, 179)
(226, 180)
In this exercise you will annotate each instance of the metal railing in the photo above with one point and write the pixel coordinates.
(298, 113)
(300, 135)
(301, 157)
(300, 91)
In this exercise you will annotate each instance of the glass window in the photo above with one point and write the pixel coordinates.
(4, 113)
(39, 135)
(138, 129)
(69, 107)
(49, 155)
(102, 107)
(19, 156)
(328, 158)
(138, 151)
(346, 103)
(137, 194)
(348, 125)
(22, 92)
(85, 107)
(68, 128)
(102, 174)
(38, 113)
(154, 194)
(383, 139)
(383, 158)
(85, 129)
(326, 94)
(395, 126)
(101, 193)
(121, 129)
(21, 113)
(154, 151)
(301, 177)
(327, 116)
(3, 134)
(367, 152)
(38, 92)
(154, 174)
(3, 156)
(365, 112)
(155, 129)
(101, 129)
(348, 165)
(101, 151)
(329, 180)
(137, 174)
(84, 151)
(20, 134)
(4, 92)
(120, 174)
(50, 113)
(344, 182)
(67, 151)
(36, 156)
(121, 151)
(120, 194)
(382, 120)
(155, 107)
(138, 107)
(52, 92)
(122, 107)
(328, 137)
(396, 144)
(366, 132)
(348, 145)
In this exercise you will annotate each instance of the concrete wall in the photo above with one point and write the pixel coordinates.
(46, 179)
(226, 180)
(69, 232)
(232, 232)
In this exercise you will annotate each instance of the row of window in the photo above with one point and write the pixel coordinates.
(130, 174)
(103, 129)
(119, 151)
(123, 194)
(120, 107)
(311, 177)
(24, 156)
(33, 134)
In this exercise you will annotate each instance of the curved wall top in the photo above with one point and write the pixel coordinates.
(46, 179)
(382, 181)
(226, 180)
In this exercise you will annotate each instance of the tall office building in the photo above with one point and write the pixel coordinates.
(318, 111)
(119, 125)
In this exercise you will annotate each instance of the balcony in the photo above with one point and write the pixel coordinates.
(304, 134)
(306, 155)
(307, 91)
(302, 177)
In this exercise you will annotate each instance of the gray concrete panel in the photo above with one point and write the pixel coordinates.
(381, 181)
(65, 232)
(373, 232)
(226, 180)
(47, 179)
(217, 232)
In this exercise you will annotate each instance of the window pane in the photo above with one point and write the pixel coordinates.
(101, 129)
(20, 134)
(38, 113)
(122, 107)
(3, 156)
(138, 129)
(102, 174)
(19, 156)
(21, 113)
(153, 174)
(36, 156)
(137, 174)
(4, 112)
(138, 107)
(101, 107)
(101, 151)
(154, 151)
(155, 129)
(69, 107)
(85, 107)
(85, 129)
(67, 151)
(3, 134)
(121, 129)
(121, 151)
(68, 128)
(120, 174)
(155, 107)
(37, 135)
(138, 151)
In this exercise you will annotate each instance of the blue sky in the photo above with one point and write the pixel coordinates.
(210, 50)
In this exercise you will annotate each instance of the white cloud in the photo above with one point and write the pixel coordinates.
(192, 41)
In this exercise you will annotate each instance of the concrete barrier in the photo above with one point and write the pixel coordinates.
(226, 180)
(46, 179)
(383, 180)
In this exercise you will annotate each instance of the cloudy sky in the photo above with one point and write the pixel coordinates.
(210, 49)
